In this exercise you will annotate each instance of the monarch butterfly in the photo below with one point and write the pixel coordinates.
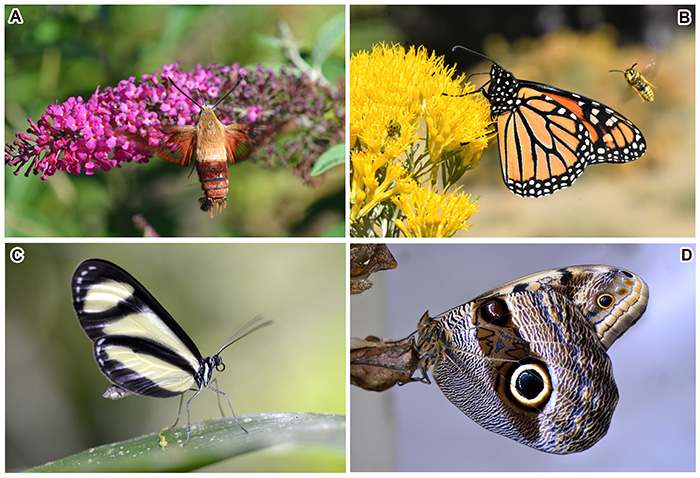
(547, 136)
(640, 84)
(137, 344)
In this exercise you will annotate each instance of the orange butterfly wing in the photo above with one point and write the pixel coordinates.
(548, 136)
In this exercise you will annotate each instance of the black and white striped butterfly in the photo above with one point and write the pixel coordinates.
(138, 345)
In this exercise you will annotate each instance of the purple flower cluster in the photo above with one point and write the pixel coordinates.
(122, 124)
(312, 117)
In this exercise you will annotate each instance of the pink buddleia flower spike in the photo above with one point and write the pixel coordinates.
(124, 123)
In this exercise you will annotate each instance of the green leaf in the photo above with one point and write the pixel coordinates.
(332, 157)
(211, 442)
(328, 35)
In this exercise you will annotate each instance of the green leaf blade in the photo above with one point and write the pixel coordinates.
(211, 442)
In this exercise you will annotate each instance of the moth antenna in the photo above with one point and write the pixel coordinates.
(201, 96)
(228, 92)
(188, 96)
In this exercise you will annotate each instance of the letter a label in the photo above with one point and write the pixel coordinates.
(15, 17)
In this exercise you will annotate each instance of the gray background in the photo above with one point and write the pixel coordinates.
(415, 428)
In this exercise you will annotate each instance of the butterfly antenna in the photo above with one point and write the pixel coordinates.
(469, 77)
(245, 331)
(474, 52)
(228, 93)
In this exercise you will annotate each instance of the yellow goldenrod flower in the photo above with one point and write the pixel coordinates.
(383, 90)
(375, 179)
(455, 116)
(432, 214)
(398, 96)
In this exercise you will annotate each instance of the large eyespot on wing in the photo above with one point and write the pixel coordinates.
(611, 299)
(546, 380)
(112, 306)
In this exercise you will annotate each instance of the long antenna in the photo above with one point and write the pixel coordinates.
(474, 52)
(245, 331)
(188, 96)
(228, 93)
(200, 93)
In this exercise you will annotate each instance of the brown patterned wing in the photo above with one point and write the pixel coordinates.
(528, 360)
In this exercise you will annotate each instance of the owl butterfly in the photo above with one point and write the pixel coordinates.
(210, 143)
(528, 359)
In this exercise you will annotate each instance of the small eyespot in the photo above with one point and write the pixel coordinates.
(605, 300)
(495, 311)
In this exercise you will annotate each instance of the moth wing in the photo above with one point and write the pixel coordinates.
(242, 139)
(180, 144)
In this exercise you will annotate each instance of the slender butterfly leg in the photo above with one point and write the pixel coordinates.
(179, 411)
(188, 414)
(219, 393)
(161, 438)
(218, 398)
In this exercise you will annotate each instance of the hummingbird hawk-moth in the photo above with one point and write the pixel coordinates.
(210, 143)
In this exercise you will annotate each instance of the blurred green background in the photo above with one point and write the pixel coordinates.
(54, 405)
(571, 47)
(62, 51)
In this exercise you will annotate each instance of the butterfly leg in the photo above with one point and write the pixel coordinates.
(229, 405)
(218, 398)
(188, 414)
(179, 411)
